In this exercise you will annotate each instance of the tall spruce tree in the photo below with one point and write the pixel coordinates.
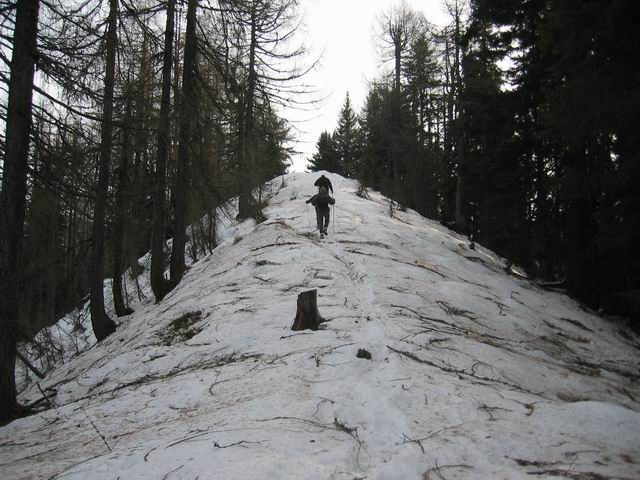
(326, 156)
(592, 112)
(346, 138)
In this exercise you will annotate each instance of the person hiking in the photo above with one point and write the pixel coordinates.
(323, 182)
(322, 201)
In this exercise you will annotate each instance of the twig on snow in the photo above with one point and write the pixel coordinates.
(437, 470)
(241, 443)
(417, 441)
(295, 335)
(322, 400)
(172, 471)
(459, 372)
(46, 399)
(353, 433)
(96, 428)
(146, 455)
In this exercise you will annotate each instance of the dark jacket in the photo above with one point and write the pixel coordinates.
(324, 182)
(322, 200)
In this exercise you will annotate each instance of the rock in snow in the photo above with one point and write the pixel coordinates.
(474, 373)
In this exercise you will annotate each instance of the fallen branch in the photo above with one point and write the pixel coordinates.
(577, 475)
(172, 471)
(295, 335)
(30, 366)
(437, 468)
(96, 428)
(241, 443)
(353, 433)
(417, 441)
(274, 245)
(423, 318)
(490, 410)
(44, 395)
(459, 372)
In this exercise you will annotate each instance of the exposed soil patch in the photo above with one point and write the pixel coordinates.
(182, 328)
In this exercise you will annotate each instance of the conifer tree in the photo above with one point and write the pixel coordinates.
(13, 195)
(346, 138)
(188, 115)
(159, 284)
(326, 156)
(103, 326)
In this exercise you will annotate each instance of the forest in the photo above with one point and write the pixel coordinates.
(517, 125)
(125, 121)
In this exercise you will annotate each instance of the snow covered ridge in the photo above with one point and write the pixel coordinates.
(473, 373)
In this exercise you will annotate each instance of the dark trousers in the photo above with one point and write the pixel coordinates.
(322, 217)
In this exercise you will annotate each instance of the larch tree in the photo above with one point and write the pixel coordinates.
(266, 76)
(122, 205)
(395, 30)
(14, 195)
(103, 326)
(159, 284)
(187, 118)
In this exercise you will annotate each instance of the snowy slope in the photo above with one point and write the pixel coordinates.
(474, 373)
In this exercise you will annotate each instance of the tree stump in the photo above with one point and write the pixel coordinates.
(307, 314)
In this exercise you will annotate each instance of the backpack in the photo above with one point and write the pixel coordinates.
(323, 200)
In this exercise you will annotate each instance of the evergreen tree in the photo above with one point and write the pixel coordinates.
(346, 138)
(592, 112)
(497, 196)
(326, 156)
(390, 151)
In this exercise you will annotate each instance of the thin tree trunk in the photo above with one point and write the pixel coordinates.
(121, 212)
(13, 196)
(30, 365)
(187, 116)
(398, 64)
(246, 207)
(460, 218)
(103, 326)
(159, 285)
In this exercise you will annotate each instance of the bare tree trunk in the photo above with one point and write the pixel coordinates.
(13, 196)
(459, 214)
(187, 117)
(103, 326)
(159, 285)
(398, 59)
(30, 365)
(247, 207)
(121, 211)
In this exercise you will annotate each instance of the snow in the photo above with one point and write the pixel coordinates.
(474, 373)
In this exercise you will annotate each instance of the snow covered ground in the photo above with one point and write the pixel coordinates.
(474, 373)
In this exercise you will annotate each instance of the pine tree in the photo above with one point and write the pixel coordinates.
(592, 111)
(497, 196)
(326, 156)
(346, 138)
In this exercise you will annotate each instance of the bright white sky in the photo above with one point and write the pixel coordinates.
(341, 31)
